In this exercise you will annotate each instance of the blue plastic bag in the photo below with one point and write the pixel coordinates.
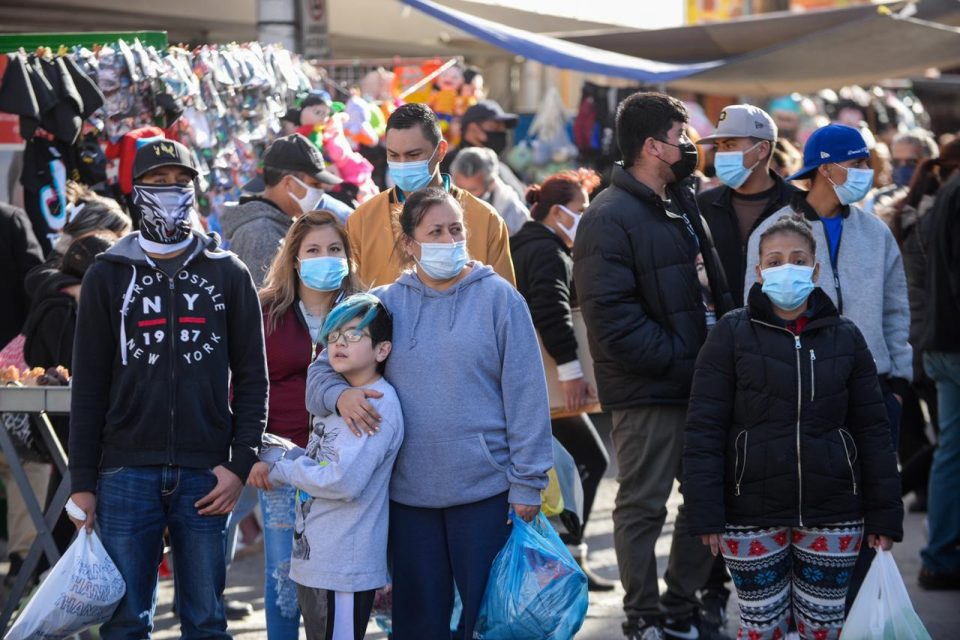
(536, 589)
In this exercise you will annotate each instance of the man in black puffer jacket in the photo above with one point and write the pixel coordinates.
(635, 268)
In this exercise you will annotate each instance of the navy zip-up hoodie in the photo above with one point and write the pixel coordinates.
(167, 371)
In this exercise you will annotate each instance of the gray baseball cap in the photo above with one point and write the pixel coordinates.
(743, 121)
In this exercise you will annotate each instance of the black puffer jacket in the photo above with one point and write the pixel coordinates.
(639, 293)
(544, 271)
(787, 430)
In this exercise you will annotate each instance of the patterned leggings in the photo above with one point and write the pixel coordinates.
(806, 569)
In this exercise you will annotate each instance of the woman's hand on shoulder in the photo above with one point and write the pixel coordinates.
(356, 410)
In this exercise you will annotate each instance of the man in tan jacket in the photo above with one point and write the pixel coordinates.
(415, 149)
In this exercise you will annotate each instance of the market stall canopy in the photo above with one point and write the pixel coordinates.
(719, 40)
(863, 51)
(872, 46)
(557, 52)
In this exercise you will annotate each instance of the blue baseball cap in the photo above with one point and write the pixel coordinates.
(832, 143)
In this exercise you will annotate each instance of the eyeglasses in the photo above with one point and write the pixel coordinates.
(349, 335)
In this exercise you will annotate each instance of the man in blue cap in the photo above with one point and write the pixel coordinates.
(860, 265)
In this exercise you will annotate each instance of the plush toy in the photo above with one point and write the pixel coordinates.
(447, 102)
(359, 126)
(350, 165)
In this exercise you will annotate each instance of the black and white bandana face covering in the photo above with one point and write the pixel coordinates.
(165, 213)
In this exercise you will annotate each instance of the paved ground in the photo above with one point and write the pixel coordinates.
(938, 610)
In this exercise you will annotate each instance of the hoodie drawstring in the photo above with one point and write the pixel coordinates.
(416, 321)
(123, 316)
(453, 311)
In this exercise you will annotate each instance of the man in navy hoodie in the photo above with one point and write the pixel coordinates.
(169, 399)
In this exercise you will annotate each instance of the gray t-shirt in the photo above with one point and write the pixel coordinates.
(340, 534)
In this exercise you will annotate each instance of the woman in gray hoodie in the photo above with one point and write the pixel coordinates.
(466, 366)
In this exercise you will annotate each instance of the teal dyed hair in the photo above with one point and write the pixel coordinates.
(356, 305)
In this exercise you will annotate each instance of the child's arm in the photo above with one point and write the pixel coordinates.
(869, 424)
(709, 415)
(343, 479)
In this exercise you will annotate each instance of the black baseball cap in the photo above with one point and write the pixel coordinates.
(292, 116)
(488, 110)
(296, 153)
(162, 153)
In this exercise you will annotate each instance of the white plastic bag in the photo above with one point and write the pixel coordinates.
(882, 609)
(81, 590)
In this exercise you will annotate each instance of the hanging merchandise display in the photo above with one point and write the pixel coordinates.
(548, 147)
(86, 105)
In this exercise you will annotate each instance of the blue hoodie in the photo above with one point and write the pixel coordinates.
(466, 366)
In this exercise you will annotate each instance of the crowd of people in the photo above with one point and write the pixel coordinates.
(774, 338)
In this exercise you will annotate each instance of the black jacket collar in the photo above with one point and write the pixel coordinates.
(624, 180)
(533, 231)
(821, 310)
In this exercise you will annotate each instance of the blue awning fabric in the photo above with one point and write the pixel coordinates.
(869, 47)
(561, 53)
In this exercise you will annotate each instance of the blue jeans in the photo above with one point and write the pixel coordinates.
(246, 503)
(279, 591)
(134, 506)
(943, 505)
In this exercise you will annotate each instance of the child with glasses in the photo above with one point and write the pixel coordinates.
(340, 536)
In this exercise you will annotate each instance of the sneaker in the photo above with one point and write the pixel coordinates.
(653, 632)
(681, 629)
(236, 610)
(641, 629)
(939, 581)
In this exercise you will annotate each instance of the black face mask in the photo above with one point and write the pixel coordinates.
(687, 163)
(496, 141)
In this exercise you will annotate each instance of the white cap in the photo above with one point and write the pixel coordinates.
(743, 121)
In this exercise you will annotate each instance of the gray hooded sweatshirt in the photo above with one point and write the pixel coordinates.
(871, 282)
(466, 365)
(254, 230)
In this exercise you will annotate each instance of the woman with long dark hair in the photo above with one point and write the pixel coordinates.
(311, 272)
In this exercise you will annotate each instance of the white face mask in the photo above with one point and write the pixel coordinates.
(571, 231)
(442, 260)
(310, 200)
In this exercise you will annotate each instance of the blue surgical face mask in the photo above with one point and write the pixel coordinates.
(325, 273)
(410, 176)
(903, 174)
(788, 286)
(443, 260)
(730, 169)
(858, 185)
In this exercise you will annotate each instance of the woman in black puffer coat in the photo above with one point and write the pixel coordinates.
(544, 268)
(788, 461)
